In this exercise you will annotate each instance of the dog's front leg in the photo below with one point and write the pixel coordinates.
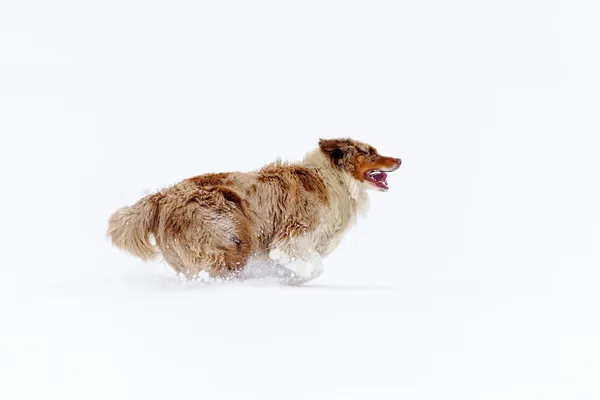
(304, 263)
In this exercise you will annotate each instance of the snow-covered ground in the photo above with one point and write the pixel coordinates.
(475, 277)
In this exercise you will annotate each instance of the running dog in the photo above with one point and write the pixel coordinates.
(291, 214)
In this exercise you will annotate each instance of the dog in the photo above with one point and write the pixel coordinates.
(290, 214)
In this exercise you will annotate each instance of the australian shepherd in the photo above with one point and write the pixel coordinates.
(290, 214)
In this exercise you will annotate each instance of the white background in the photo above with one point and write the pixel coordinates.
(475, 277)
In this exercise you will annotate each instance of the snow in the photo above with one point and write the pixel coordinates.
(474, 277)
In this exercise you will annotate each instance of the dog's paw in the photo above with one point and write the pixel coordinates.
(279, 256)
(317, 262)
(301, 268)
(304, 271)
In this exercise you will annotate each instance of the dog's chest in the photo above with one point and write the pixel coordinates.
(328, 235)
(333, 225)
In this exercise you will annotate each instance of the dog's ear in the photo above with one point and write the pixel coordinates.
(335, 149)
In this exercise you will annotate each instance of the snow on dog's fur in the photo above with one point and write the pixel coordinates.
(291, 213)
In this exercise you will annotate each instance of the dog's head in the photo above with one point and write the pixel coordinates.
(360, 160)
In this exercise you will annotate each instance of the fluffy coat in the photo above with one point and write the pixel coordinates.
(292, 213)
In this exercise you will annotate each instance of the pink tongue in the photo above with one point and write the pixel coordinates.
(381, 177)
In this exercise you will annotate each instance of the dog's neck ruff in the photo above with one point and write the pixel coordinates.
(350, 186)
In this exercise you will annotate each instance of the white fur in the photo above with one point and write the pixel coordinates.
(347, 198)
(305, 266)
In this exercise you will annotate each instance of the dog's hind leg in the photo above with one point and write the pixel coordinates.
(211, 249)
(206, 230)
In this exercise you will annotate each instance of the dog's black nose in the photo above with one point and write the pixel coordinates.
(398, 161)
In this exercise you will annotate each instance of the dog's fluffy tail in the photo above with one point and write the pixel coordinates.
(130, 228)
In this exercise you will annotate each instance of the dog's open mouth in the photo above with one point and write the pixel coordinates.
(378, 177)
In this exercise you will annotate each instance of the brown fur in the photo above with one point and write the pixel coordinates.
(216, 222)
